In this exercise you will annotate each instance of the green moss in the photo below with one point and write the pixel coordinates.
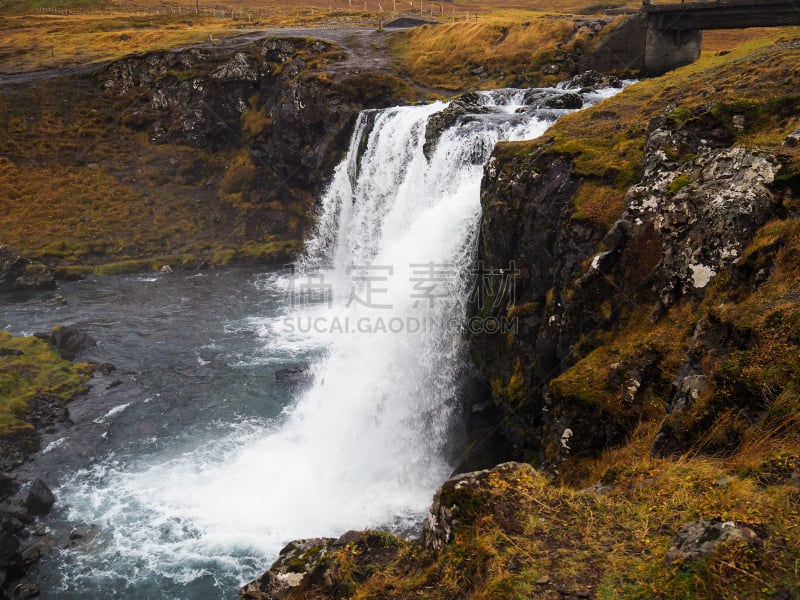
(223, 257)
(376, 89)
(296, 565)
(125, 266)
(680, 182)
(515, 391)
(271, 251)
(38, 371)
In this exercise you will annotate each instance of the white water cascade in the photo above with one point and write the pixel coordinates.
(364, 445)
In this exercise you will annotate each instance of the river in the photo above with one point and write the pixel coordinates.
(190, 465)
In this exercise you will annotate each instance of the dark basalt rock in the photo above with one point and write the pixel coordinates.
(22, 543)
(198, 96)
(309, 568)
(465, 104)
(564, 101)
(526, 223)
(698, 203)
(18, 272)
(293, 374)
(12, 266)
(70, 341)
(590, 81)
(464, 498)
(39, 499)
(294, 565)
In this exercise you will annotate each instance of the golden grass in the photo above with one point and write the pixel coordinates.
(445, 55)
(725, 40)
(531, 537)
(78, 40)
(88, 31)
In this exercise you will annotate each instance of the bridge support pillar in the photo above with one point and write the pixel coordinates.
(669, 49)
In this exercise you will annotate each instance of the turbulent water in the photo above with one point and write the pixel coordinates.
(375, 309)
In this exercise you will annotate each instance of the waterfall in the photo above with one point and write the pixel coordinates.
(364, 445)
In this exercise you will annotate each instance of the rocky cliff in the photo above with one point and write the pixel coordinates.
(203, 155)
(273, 97)
(610, 314)
(652, 375)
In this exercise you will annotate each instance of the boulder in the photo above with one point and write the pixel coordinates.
(469, 103)
(12, 266)
(323, 567)
(39, 499)
(564, 101)
(590, 81)
(36, 277)
(18, 272)
(295, 562)
(293, 374)
(463, 498)
(71, 341)
(696, 539)
(793, 139)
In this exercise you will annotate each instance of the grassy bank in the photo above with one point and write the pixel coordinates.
(530, 539)
(29, 369)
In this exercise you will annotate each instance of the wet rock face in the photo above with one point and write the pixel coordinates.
(311, 123)
(469, 103)
(527, 203)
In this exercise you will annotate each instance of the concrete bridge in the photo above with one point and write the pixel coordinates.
(662, 37)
